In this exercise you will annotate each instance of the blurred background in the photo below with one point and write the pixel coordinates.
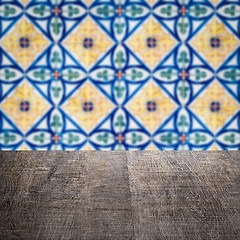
(119, 75)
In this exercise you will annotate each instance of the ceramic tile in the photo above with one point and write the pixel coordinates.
(119, 75)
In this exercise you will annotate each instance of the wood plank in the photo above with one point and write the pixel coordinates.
(120, 195)
(65, 195)
(185, 195)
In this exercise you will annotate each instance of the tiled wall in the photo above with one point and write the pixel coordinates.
(119, 74)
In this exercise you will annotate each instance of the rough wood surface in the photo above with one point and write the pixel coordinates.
(120, 195)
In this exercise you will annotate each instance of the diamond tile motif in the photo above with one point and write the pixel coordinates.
(215, 43)
(215, 106)
(88, 43)
(88, 106)
(120, 75)
(24, 42)
(24, 106)
(151, 42)
(151, 106)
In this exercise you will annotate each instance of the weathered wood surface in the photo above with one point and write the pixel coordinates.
(120, 195)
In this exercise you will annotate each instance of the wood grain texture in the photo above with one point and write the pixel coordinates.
(120, 195)
(185, 195)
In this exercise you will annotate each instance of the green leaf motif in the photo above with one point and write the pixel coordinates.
(166, 11)
(56, 26)
(72, 11)
(103, 75)
(168, 138)
(56, 58)
(166, 74)
(72, 75)
(199, 138)
(105, 11)
(230, 138)
(39, 10)
(120, 121)
(40, 74)
(183, 57)
(200, 75)
(232, 75)
(135, 11)
(230, 11)
(183, 121)
(56, 91)
(119, 91)
(9, 74)
(56, 121)
(183, 27)
(119, 27)
(103, 138)
(9, 11)
(135, 75)
(72, 138)
(7, 138)
(136, 138)
(39, 138)
(120, 59)
(183, 91)
(198, 10)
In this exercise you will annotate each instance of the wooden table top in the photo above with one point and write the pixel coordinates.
(120, 195)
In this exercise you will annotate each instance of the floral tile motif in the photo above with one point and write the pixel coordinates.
(24, 42)
(87, 42)
(24, 106)
(151, 43)
(151, 105)
(215, 43)
(120, 75)
(215, 106)
(88, 106)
